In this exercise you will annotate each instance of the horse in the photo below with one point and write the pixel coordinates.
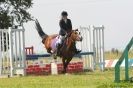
(67, 51)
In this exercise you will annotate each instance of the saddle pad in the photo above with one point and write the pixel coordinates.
(54, 42)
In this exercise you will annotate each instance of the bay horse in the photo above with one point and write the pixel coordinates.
(67, 50)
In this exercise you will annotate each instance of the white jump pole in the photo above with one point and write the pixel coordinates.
(102, 50)
(23, 50)
(98, 40)
(11, 52)
(0, 53)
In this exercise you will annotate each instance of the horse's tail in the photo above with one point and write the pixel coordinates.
(40, 30)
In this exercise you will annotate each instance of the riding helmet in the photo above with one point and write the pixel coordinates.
(64, 13)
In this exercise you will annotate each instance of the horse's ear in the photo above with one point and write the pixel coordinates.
(76, 30)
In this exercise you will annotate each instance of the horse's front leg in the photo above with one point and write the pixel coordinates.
(67, 62)
(64, 65)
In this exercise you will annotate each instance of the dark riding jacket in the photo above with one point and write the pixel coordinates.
(65, 27)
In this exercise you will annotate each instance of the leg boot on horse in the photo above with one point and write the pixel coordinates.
(77, 51)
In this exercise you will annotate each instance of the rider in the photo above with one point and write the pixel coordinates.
(65, 28)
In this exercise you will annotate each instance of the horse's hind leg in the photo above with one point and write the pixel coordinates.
(49, 50)
(54, 56)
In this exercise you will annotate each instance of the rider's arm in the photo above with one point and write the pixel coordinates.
(70, 24)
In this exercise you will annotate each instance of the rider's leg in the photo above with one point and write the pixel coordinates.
(60, 40)
(59, 43)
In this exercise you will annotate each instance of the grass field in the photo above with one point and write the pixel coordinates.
(95, 79)
(110, 55)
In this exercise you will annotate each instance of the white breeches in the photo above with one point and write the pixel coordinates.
(60, 40)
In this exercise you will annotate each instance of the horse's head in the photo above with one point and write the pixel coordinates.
(75, 35)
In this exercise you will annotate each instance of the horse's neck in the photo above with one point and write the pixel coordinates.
(70, 43)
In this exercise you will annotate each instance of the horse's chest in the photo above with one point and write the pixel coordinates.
(68, 53)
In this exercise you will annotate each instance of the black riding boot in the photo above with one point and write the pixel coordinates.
(58, 50)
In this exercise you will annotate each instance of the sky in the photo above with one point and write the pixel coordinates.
(115, 15)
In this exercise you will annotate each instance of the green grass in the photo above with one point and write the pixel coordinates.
(110, 55)
(95, 79)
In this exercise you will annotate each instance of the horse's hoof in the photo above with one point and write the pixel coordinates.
(66, 74)
(63, 72)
